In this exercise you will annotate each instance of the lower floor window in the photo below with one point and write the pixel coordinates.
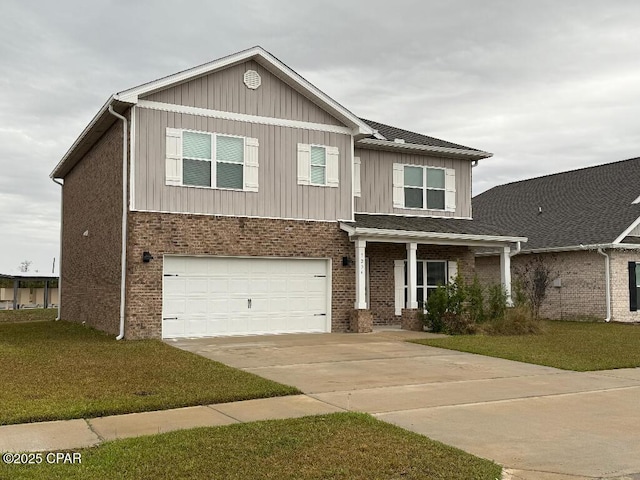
(634, 285)
(430, 274)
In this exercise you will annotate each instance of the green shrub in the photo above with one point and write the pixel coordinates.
(458, 324)
(457, 296)
(475, 301)
(497, 302)
(516, 321)
(436, 308)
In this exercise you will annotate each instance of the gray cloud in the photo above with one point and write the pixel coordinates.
(544, 85)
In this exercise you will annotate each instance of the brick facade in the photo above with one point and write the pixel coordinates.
(381, 275)
(166, 234)
(582, 276)
(620, 309)
(90, 267)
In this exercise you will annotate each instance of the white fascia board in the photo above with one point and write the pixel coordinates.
(132, 95)
(627, 230)
(457, 152)
(432, 236)
(576, 248)
(242, 117)
(84, 133)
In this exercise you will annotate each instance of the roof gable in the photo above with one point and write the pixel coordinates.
(224, 90)
(589, 206)
(270, 63)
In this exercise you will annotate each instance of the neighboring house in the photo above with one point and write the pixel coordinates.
(254, 203)
(585, 226)
(28, 290)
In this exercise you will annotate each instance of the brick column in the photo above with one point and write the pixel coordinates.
(411, 320)
(361, 321)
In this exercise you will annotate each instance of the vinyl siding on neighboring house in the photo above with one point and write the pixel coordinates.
(376, 180)
(278, 194)
(226, 91)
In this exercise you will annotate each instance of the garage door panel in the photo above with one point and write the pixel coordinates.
(239, 285)
(197, 285)
(210, 296)
(196, 325)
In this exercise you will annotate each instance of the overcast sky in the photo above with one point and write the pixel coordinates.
(546, 86)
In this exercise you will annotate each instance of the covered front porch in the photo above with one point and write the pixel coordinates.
(400, 261)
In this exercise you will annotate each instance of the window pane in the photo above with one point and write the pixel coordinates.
(412, 176)
(230, 149)
(229, 175)
(318, 156)
(421, 299)
(317, 175)
(436, 274)
(196, 145)
(420, 276)
(435, 178)
(413, 197)
(196, 172)
(435, 199)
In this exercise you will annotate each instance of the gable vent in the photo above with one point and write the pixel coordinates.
(252, 79)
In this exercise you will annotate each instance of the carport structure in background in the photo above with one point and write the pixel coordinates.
(29, 277)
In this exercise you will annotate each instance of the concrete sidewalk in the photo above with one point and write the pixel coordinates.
(73, 434)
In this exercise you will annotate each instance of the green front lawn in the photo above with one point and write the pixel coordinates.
(61, 370)
(28, 315)
(576, 346)
(345, 446)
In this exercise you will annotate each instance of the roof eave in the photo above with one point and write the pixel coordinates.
(98, 125)
(355, 231)
(575, 248)
(466, 154)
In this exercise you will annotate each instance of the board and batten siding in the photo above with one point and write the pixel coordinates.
(225, 91)
(279, 194)
(376, 182)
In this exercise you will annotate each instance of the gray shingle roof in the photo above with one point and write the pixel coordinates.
(429, 224)
(588, 206)
(391, 133)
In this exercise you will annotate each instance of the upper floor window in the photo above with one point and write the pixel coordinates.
(318, 165)
(203, 159)
(423, 187)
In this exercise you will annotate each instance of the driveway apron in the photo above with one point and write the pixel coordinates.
(536, 421)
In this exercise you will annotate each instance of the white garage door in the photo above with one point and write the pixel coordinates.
(215, 296)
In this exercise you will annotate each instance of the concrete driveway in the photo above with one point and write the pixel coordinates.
(538, 422)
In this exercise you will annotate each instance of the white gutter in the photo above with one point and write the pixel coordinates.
(455, 152)
(573, 248)
(60, 253)
(378, 232)
(123, 259)
(607, 284)
(517, 250)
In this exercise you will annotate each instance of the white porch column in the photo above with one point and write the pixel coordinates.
(361, 295)
(412, 276)
(505, 273)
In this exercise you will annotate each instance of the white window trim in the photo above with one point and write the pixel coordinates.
(311, 165)
(331, 166)
(214, 161)
(424, 188)
(424, 277)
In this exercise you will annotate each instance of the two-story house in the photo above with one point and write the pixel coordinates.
(237, 198)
